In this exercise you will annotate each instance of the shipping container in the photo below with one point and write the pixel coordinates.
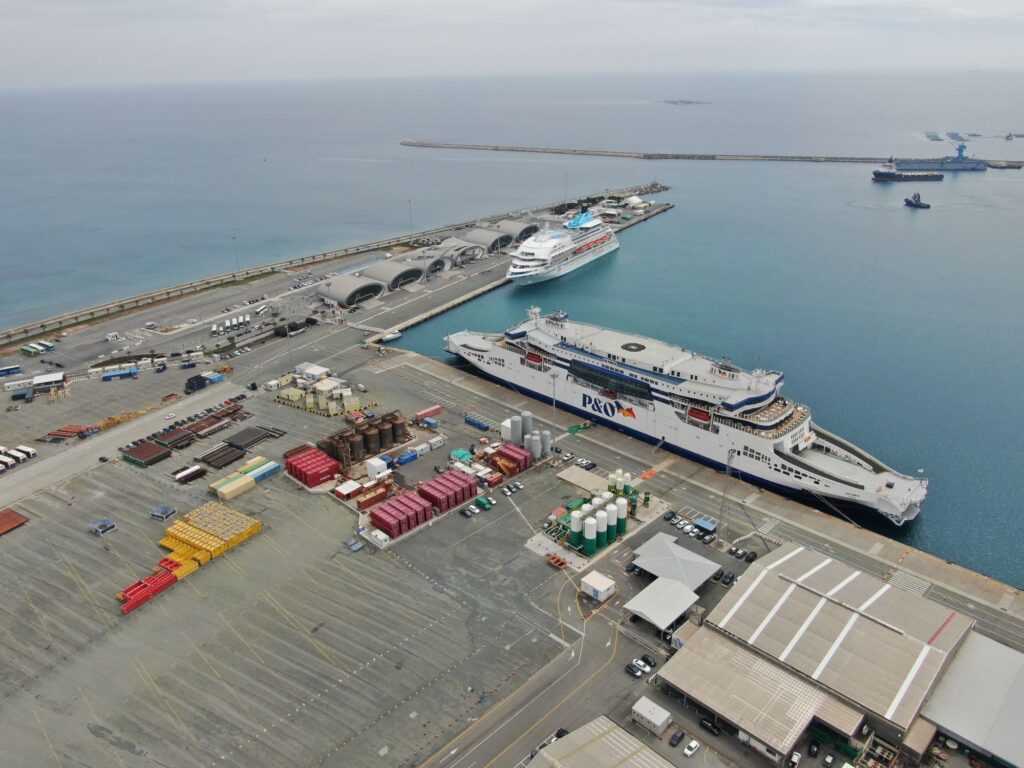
(475, 422)
(429, 422)
(434, 410)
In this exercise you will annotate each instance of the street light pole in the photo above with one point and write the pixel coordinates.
(234, 246)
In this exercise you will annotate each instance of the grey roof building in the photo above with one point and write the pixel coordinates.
(491, 239)
(394, 274)
(349, 290)
(660, 556)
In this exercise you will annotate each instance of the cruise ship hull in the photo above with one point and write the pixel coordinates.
(558, 271)
(748, 456)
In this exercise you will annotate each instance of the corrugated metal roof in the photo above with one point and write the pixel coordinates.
(767, 701)
(980, 699)
(873, 643)
(9, 520)
(599, 744)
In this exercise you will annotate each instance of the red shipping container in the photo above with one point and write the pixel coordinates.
(426, 413)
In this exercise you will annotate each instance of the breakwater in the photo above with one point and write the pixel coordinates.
(673, 155)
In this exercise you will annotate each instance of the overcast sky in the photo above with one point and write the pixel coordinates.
(85, 42)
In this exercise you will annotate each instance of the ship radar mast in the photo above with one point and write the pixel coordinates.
(533, 313)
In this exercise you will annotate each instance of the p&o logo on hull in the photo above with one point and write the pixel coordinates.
(607, 408)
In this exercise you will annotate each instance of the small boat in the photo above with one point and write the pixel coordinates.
(391, 335)
(914, 201)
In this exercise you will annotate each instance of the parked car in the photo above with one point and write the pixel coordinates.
(677, 737)
(670, 515)
(518, 485)
(643, 667)
(751, 557)
(691, 748)
(491, 499)
(506, 491)
(728, 579)
(709, 538)
(717, 575)
(631, 567)
(829, 760)
(688, 528)
(794, 760)
(740, 554)
(681, 524)
(709, 725)
(732, 551)
(473, 510)
(465, 512)
(104, 459)
(649, 660)
(561, 733)
(634, 670)
(354, 544)
(813, 747)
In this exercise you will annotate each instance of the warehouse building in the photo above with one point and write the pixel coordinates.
(599, 744)
(350, 290)
(805, 640)
(662, 603)
(660, 556)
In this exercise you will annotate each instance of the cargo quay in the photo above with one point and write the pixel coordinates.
(240, 529)
(1016, 164)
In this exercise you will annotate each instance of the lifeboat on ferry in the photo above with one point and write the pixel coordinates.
(699, 414)
(533, 357)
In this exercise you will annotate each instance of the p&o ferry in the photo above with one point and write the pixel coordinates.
(553, 253)
(707, 410)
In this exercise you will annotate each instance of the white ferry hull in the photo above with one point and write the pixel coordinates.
(558, 271)
(664, 424)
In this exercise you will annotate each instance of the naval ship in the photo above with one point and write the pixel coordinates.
(707, 410)
(949, 163)
(553, 253)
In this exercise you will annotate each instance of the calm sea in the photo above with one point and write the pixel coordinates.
(902, 329)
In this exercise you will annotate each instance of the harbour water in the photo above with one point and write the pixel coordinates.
(901, 328)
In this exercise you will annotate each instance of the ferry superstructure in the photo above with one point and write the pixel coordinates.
(707, 410)
(556, 252)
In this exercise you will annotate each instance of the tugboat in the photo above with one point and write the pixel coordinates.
(914, 201)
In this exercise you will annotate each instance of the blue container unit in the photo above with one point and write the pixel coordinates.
(405, 458)
(430, 422)
(124, 373)
(214, 378)
(387, 459)
(265, 472)
(475, 422)
(188, 365)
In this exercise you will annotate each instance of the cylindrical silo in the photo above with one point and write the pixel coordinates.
(613, 522)
(517, 430)
(535, 447)
(586, 510)
(575, 529)
(545, 442)
(589, 536)
(627, 483)
(398, 431)
(606, 497)
(371, 438)
(618, 482)
(602, 529)
(355, 447)
(527, 418)
(387, 435)
(621, 506)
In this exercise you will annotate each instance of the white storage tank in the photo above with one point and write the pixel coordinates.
(527, 419)
(602, 529)
(576, 528)
(535, 447)
(516, 427)
(545, 442)
(589, 536)
(506, 431)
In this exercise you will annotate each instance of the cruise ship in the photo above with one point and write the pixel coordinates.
(959, 162)
(553, 253)
(707, 410)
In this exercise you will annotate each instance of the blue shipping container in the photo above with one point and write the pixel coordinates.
(214, 378)
(430, 422)
(476, 423)
(405, 458)
(386, 458)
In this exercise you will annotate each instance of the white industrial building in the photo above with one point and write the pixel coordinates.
(597, 586)
(599, 744)
(651, 716)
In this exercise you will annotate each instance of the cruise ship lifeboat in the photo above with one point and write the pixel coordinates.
(699, 414)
